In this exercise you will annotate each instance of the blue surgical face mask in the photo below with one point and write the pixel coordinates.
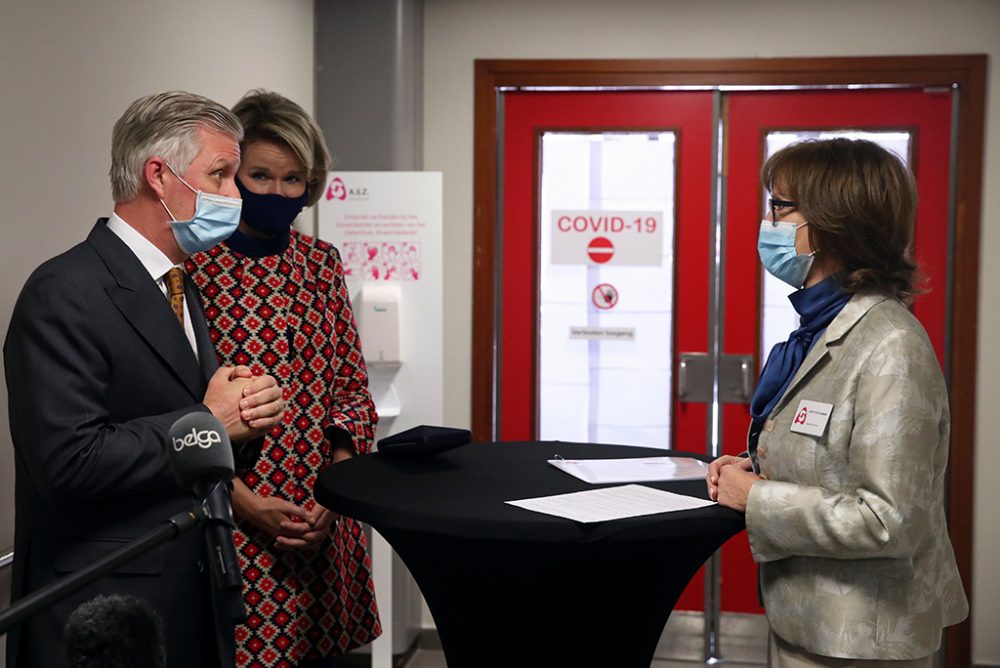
(215, 218)
(776, 247)
(271, 214)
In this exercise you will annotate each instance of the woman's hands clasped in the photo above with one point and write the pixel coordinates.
(729, 481)
(292, 527)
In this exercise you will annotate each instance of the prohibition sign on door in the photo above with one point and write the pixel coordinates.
(600, 250)
(604, 296)
(600, 236)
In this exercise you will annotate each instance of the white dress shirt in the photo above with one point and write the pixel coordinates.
(155, 262)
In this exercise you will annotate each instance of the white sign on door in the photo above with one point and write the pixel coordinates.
(614, 238)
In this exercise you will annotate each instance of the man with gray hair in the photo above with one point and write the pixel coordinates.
(107, 348)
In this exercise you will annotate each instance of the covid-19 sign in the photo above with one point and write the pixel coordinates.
(607, 237)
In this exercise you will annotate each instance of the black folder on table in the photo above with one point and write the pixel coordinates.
(423, 441)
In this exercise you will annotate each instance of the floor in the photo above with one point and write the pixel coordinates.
(428, 658)
(742, 644)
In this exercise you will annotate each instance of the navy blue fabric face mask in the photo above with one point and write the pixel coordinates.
(271, 214)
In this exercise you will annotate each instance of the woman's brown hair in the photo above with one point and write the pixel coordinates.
(859, 200)
(268, 116)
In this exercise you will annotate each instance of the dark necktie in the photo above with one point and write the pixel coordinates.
(175, 290)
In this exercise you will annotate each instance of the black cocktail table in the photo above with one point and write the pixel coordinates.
(509, 587)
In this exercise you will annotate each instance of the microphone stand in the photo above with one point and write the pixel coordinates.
(217, 513)
(45, 597)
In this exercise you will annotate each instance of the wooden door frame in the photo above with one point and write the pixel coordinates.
(966, 72)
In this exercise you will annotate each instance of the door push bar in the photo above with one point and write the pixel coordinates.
(694, 378)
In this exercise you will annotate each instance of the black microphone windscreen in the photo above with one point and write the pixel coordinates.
(114, 632)
(199, 449)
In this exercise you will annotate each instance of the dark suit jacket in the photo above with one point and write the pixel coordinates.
(97, 371)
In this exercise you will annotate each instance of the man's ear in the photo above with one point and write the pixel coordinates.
(154, 173)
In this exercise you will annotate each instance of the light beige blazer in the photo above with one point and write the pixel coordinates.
(849, 526)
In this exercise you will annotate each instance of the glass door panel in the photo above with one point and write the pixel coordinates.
(606, 272)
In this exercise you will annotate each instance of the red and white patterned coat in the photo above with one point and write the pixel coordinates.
(290, 315)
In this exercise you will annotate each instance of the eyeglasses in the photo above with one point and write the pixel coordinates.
(777, 204)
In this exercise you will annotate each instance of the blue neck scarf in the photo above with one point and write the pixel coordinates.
(817, 306)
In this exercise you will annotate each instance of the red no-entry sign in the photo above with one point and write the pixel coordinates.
(600, 250)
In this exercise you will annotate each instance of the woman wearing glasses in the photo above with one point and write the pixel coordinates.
(843, 480)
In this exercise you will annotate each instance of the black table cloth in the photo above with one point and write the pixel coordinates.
(510, 587)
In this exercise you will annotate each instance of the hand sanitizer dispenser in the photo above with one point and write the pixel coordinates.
(378, 324)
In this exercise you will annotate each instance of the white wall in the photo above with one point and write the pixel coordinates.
(67, 72)
(459, 31)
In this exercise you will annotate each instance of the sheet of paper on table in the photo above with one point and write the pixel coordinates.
(638, 469)
(611, 503)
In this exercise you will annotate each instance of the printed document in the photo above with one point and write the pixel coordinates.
(639, 469)
(611, 503)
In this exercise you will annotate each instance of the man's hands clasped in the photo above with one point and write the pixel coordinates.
(248, 406)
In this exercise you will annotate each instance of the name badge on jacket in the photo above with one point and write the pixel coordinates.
(811, 417)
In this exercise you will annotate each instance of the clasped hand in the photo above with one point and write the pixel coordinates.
(729, 481)
(247, 405)
(301, 528)
(292, 526)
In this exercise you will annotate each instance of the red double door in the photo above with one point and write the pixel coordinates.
(712, 276)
